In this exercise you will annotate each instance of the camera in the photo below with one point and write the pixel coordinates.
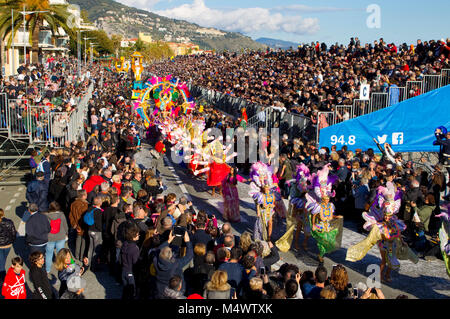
(179, 231)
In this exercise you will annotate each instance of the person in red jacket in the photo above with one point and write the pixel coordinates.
(160, 147)
(94, 180)
(14, 284)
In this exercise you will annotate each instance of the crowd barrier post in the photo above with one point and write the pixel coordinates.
(18, 118)
(378, 101)
(445, 77)
(342, 113)
(360, 107)
(431, 82)
(413, 89)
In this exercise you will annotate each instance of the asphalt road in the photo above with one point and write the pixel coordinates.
(424, 280)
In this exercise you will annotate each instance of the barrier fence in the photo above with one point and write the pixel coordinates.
(395, 95)
(298, 125)
(378, 101)
(41, 125)
(413, 89)
(431, 82)
(342, 113)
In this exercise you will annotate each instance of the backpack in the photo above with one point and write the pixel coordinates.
(55, 226)
(88, 217)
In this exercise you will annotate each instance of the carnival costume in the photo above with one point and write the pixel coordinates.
(385, 233)
(231, 197)
(325, 228)
(444, 239)
(297, 214)
(261, 176)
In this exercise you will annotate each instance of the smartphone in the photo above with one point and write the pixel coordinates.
(262, 270)
(179, 231)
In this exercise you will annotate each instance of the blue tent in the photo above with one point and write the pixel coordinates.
(408, 126)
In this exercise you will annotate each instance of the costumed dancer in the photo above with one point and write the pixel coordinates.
(385, 230)
(326, 228)
(231, 196)
(217, 168)
(297, 217)
(280, 208)
(265, 196)
(444, 240)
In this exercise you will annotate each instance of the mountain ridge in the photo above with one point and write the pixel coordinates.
(117, 18)
(277, 44)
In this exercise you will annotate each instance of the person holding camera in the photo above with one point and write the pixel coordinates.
(167, 265)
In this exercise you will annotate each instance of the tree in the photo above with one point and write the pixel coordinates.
(56, 16)
(116, 39)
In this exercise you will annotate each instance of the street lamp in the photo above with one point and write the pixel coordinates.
(79, 50)
(92, 51)
(85, 49)
(24, 13)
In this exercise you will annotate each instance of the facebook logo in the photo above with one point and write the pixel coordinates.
(397, 138)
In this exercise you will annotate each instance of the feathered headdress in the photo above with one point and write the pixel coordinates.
(322, 182)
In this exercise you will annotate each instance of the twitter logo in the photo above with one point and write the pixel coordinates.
(382, 139)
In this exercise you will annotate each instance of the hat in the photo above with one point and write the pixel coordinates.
(75, 283)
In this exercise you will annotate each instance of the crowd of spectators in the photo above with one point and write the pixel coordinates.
(92, 207)
(312, 77)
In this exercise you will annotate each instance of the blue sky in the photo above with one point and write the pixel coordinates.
(327, 21)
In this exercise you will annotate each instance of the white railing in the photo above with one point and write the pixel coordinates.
(40, 124)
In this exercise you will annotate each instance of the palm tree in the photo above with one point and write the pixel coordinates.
(56, 16)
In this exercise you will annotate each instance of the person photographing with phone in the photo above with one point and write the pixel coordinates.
(167, 265)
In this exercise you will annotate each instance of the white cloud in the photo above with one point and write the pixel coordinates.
(245, 20)
(309, 9)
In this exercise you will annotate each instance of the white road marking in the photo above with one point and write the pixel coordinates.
(21, 188)
(12, 200)
(177, 178)
(16, 194)
(8, 207)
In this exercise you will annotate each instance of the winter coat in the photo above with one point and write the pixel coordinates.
(42, 287)
(166, 269)
(7, 232)
(129, 255)
(14, 285)
(92, 182)
(172, 294)
(117, 228)
(37, 193)
(424, 214)
(55, 218)
(217, 294)
(37, 229)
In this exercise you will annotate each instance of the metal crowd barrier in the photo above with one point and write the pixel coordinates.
(39, 124)
(413, 89)
(267, 117)
(431, 82)
(342, 113)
